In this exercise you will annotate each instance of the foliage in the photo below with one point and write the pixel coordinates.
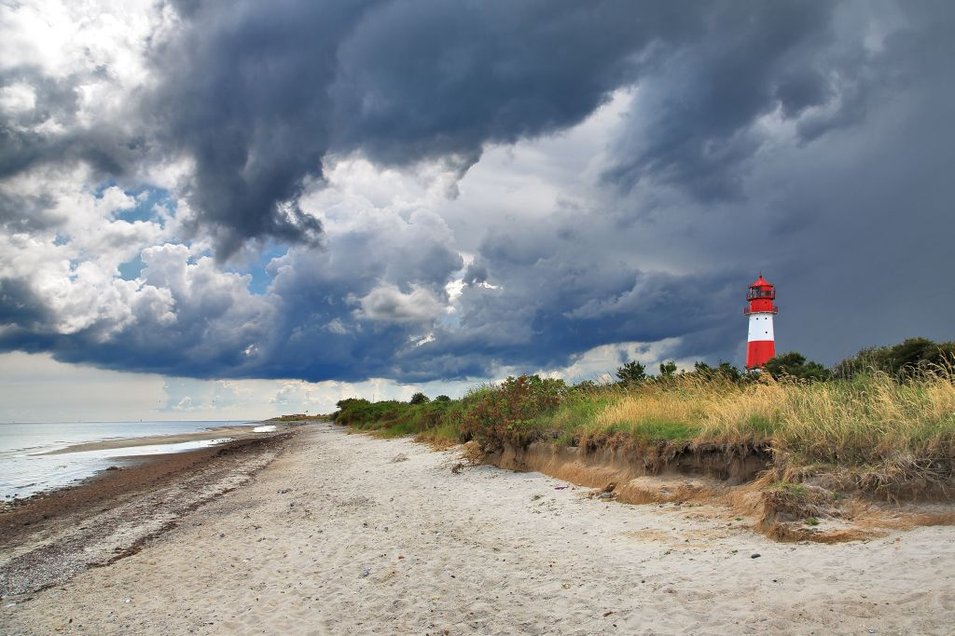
(391, 418)
(511, 412)
(864, 420)
(419, 398)
(667, 369)
(725, 371)
(903, 360)
(632, 372)
(793, 365)
(359, 412)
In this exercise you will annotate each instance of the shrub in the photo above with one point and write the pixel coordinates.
(725, 370)
(794, 365)
(667, 369)
(510, 413)
(904, 360)
(632, 372)
(419, 398)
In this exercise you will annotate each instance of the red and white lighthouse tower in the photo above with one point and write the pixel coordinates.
(762, 345)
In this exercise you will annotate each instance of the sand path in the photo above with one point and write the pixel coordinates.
(336, 536)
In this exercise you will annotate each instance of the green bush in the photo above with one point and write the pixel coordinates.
(511, 412)
(904, 360)
(632, 373)
(793, 365)
(419, 398)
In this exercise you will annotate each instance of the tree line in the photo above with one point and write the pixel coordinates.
(907, 359)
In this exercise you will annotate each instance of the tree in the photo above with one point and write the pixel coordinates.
(667, 369)
(442, 398)
(902, 360)
(703, 369)
(794, 365)
(632, 372)
(419, 398)
(725, 371)
(729, 372)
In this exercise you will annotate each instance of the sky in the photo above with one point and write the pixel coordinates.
(231, 210)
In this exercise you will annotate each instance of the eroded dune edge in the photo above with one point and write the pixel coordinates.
(750, 480)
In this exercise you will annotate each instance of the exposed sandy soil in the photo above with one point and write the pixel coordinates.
(349, 534)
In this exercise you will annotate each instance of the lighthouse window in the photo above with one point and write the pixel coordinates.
(755, 293)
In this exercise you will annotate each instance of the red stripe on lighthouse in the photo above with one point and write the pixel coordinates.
(759, 352)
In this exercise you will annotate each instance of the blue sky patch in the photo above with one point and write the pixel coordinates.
(261, 279)
(131, 269)
(147, 198)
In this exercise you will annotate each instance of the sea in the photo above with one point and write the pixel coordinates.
(27, 469)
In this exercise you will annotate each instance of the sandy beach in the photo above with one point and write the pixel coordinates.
(331, 532)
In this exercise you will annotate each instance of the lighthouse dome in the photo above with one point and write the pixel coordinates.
(761, 289)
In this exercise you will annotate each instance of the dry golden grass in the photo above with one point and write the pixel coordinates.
(868, 420)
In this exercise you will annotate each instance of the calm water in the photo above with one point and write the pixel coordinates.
(25, 469)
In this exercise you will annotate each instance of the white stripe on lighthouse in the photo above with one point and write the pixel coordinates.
(760, 327)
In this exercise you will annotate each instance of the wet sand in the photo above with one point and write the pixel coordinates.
(342, 533)
(50, 537)
(232, 432)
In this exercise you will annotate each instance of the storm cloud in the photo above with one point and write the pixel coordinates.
(258, 95)
(420, 190)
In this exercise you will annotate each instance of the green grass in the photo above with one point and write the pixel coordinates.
(657, 430)
(868, 422)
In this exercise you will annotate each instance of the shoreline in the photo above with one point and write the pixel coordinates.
(88, 460)
(49, 537)
(345, 533)
(233, 432)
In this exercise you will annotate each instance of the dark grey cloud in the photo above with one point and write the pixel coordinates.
(430, 79)
(53, 133)
(21, 145)
(19, 213)
(244, 92)
(699, 104)
(21, 309)
(546, 299)
(259, 94)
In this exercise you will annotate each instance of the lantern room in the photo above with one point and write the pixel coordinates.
(761, 295)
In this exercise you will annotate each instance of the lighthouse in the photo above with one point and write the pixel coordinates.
(761, 344)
